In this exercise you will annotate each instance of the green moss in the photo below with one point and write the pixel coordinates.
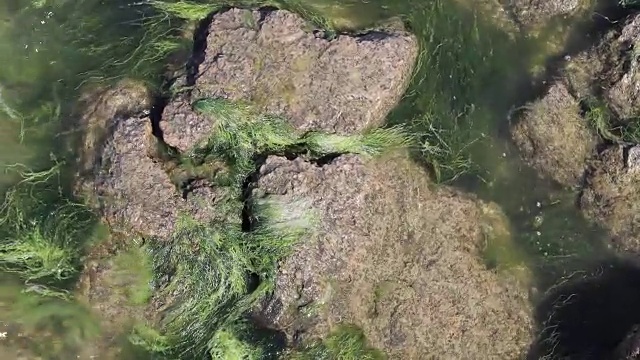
(41, 232)
(602, 120)
(185, 9)
(241, 133)
(133, 272)
(446, 148)
(371, 143)
(226, 345)
(345, 343)
(212, 287)
(194, 11)
(52, 322)
(146, 337)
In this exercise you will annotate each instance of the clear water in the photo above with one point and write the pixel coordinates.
(474, 72)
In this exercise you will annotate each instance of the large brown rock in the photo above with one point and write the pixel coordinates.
(612, 195)
(553, 137)
(118, 174)
(271, 59)
(394, 256)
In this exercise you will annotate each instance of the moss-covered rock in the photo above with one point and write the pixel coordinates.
(612, 196)
(272, 59)
(395, 256)
(624, 94)
(120, 174)
(553, 137)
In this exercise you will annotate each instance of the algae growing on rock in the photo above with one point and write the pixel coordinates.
(261, 204)
(214, 257)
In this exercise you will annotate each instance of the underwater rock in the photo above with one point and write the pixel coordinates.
(553, 137)
(624, 95)
(535, 13)
(611, 197)
(274, 60)
(118, 175)
(629, 348)
(610, 69)
(393, 256)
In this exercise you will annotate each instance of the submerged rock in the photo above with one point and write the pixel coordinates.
(624, 94)
(610, 69)
(272, 59)
(553, 137)
(612, 196)
(395, 257)
(535, 13)
(629, 348)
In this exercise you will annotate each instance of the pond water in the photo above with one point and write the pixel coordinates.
(474, 69)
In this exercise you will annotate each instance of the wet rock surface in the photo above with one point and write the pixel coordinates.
(534, 13)
(624, 95)
(394, 256)
(275, 61)
(120, 177)
(553, 137)
(612, 196)
(609, 70)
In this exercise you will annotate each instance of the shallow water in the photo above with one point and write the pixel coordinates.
(475, 70)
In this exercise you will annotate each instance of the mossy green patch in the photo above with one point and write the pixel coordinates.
(54, 324)
(185, 9)
(241, 133)
(226, 345)
(218, 273)
(344, 343)
(148, 338)
(38, 241)
(602, 120)
(316, 14)
(133, 273)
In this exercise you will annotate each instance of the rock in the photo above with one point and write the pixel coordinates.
(393, 256)
(633, 158)
(624, 95)
(629, 348)
(535, 13)
(609, 69)
(612, 197)
(96, 109)
(553, 137)
(342, 86)
(119, 177)
(582, 71)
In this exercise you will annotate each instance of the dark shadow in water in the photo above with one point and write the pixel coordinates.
(589, 316)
